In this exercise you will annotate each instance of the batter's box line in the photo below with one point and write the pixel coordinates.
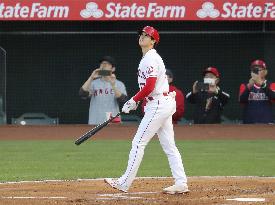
(157, 178)
(131, 193)
(34, 197)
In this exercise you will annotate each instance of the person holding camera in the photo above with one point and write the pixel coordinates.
(105, 91)
(257, 95)
(208, 98)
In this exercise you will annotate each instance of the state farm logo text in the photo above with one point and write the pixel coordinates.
(118, 10)
(234, 10)
(237, 10)
(36, 10)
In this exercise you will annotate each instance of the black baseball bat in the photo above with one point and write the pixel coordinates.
(91, 132)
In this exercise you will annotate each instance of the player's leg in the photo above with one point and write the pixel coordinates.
(148, 127)
(145, 132)
(167, 141)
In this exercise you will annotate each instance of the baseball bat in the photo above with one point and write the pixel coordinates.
(93, 131)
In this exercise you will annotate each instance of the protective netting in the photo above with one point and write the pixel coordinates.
(46, 70)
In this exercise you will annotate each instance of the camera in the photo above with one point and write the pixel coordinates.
(105, 72)
(202, 86)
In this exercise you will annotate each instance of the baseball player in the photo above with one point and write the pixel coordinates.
(153, 84)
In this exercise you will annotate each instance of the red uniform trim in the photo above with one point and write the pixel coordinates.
(146, 90)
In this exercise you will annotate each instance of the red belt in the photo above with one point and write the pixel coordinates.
(151, 98)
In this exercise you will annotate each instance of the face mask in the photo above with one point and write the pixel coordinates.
(210, 81)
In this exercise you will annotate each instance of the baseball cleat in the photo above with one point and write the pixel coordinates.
(114, 184)
(176, 189)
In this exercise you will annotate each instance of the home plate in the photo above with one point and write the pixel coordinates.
(247, 199)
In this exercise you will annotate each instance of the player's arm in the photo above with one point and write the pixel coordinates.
(146, 90)
(132, 104)
(151, 73)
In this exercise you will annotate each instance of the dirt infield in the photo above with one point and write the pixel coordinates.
(114, 131)
(203, 190)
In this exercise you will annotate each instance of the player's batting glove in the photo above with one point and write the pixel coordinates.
(129, 105)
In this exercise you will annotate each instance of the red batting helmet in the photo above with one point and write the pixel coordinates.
(212, 70)
(151, 31)
(259, 63)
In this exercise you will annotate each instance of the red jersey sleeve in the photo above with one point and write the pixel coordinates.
(146, 90)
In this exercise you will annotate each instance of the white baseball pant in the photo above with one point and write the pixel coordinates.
(157, 119)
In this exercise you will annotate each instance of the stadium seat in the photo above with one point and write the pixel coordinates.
(34, 119)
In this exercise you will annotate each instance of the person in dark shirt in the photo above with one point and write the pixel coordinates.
(208, 98)
(257, 95)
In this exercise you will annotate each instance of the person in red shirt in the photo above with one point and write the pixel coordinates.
(179, 98)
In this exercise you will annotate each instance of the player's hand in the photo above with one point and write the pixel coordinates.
(195, 90)
(129, 105)
(94, 74)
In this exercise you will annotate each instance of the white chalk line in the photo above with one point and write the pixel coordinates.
(125, 196)
(121, 197)
(33, 197)
(247, 199)
(100, 179)
(101, 196)
(131, 193)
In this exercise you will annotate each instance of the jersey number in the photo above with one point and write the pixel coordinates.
(141, 86)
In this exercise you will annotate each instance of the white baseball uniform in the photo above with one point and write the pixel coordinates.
(157, 119)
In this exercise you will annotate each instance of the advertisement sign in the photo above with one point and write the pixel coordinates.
(161, 10)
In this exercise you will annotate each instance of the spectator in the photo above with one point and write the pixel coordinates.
(208, 98)
(105, 91)
(179, 98)
(257, 95)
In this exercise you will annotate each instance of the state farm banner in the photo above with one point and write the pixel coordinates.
(103, 10)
